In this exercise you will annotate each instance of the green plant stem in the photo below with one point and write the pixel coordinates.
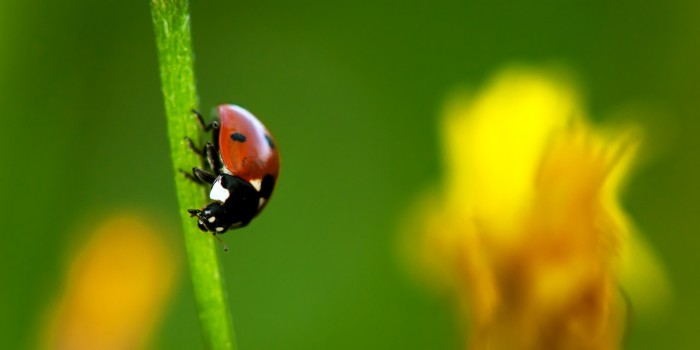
(172, 27)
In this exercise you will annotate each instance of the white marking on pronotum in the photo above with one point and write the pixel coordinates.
(212, 219)
(219, 229)
(261, 202)
(257, 183)
(218, 192)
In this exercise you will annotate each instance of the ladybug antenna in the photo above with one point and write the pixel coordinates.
(222, 242)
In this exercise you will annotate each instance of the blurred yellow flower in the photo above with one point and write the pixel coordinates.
(527, 231)
(115, 289)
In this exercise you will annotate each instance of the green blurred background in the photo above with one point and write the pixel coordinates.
(353, 93)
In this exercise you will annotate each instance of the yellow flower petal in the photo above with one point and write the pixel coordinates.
(528, 233)
(116, 288)
(494, 141)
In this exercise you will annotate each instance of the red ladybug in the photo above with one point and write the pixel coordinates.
(244, 163)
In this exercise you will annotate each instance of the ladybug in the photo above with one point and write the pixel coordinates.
(244, 164)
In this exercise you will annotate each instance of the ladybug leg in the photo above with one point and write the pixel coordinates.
(192, 146)
(194, 176)
(211, 153)
(213, 126)
(206, 127)
(203, 176)
(199, 176)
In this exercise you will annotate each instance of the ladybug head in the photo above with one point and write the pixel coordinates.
(236, 202)
(211, 219)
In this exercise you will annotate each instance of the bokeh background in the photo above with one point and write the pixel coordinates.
(353, 93)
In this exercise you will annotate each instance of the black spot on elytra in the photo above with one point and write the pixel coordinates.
(237, 136)
(269, 141)
(268, 184)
